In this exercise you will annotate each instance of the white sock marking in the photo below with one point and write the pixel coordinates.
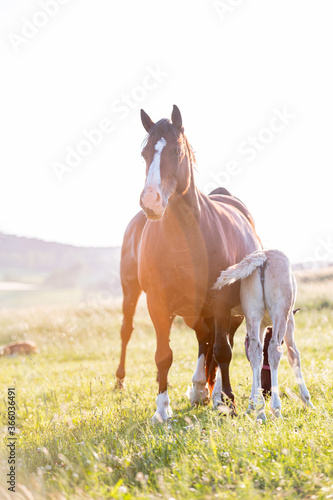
(163, 411)
(199, 375)
(199, 392)
(217, 391)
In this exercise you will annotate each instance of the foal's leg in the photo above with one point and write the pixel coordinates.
(255, 331)
(274, 356)
(223, 355)
(295, 361)
(163, 356)
(199, 392)
(131, 292)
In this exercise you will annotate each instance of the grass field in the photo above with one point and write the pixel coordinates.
(78, 438)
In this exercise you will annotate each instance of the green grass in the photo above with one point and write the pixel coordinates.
(315, 289)
(78, 438)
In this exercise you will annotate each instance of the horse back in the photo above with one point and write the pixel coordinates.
(235, 202)
(229, 226)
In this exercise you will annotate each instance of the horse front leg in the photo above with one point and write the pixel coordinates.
(131, 293)
(266, 381)
(163, 356)
(223, 354)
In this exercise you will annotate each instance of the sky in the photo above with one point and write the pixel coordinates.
(253, 81)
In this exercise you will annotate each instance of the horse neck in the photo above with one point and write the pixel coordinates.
(186, 206)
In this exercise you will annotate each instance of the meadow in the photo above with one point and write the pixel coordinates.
(78, 438)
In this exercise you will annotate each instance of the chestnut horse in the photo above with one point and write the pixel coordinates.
(186, 242)
(132, 291)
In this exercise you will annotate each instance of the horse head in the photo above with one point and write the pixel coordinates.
(169, 159)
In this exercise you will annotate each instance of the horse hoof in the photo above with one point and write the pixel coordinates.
(276, 412)
(119, 385)
(233, 412)
(164, 411)
(199, 397)
(307, 402)
(159, 418)
(266, 393)
(249, 409)
(227, 409)
(261, 416)
(216, 402)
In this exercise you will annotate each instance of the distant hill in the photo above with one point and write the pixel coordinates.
(32, 271)
(57, 265)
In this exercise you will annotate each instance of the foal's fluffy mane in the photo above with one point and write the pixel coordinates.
(164, 128)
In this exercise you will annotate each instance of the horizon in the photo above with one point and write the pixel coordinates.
(318, 263)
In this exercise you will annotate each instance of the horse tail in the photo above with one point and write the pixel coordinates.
(241, 270)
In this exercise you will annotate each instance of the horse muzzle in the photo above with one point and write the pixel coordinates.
(151, 203)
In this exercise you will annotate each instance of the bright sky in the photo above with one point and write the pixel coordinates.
(253, 80)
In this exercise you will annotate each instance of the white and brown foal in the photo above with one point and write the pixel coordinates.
(268, 294)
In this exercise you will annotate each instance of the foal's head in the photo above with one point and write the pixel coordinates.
(169, 160)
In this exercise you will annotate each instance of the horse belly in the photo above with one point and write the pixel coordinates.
(187, 305)
(182, 286)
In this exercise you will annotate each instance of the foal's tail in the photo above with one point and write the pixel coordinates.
(241, 270)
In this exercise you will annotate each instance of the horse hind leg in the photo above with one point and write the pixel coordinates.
(255, 333)
(223, 353)
(274, 357)
(295, 361)
(215, 385)
(235, 323)
(199, 393)
(217, 390)
(132, 292)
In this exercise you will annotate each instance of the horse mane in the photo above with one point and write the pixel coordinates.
(164, 128)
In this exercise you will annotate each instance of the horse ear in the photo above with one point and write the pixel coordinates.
(147, 122)
(176, 118)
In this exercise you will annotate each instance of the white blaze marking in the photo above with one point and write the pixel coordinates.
(154, 174)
